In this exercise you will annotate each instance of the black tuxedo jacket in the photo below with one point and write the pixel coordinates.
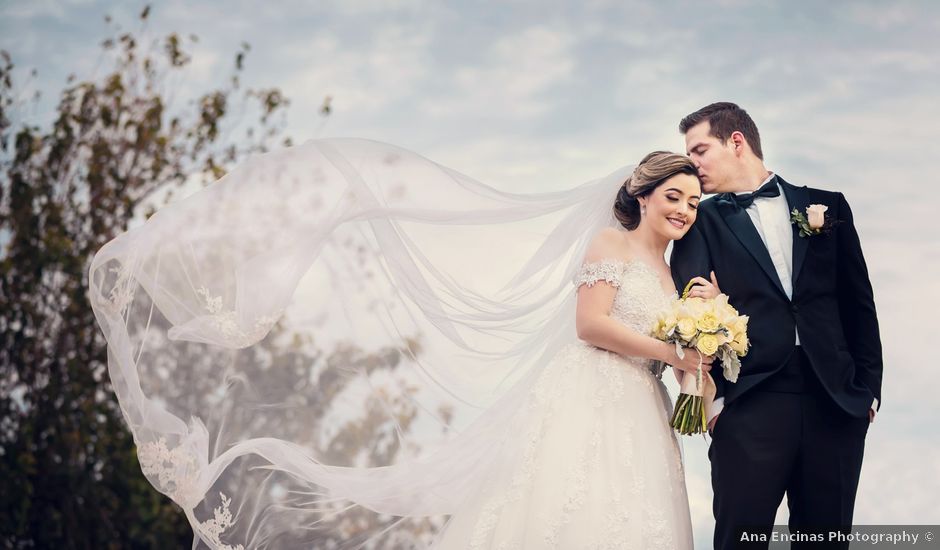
(832, 306)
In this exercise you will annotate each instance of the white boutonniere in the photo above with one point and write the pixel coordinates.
(813, 222)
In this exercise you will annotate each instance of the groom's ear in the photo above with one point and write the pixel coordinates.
(737, 141)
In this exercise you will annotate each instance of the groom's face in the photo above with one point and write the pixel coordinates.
(714, 159)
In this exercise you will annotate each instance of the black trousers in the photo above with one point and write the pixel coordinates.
(785, 436)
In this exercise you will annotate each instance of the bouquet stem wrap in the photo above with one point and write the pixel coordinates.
(696, 394)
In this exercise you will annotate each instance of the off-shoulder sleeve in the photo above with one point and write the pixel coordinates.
(608, 270)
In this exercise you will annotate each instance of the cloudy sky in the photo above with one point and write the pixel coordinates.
(537, 95)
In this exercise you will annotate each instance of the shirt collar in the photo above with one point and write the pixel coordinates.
(769, 177)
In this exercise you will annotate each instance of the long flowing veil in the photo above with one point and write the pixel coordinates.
(324, 347)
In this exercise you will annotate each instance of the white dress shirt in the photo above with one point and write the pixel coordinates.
(771, 218)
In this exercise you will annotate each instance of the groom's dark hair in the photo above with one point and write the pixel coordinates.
(725, 118)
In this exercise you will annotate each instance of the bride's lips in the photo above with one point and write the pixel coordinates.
(676, 222)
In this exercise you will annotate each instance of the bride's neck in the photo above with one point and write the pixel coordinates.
(649, 243)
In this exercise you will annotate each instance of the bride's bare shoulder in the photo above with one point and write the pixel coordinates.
(609, 242)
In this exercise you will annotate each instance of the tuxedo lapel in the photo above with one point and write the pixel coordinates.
(797, 198)
(743, 229)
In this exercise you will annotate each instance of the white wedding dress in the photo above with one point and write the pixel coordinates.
(600, 467)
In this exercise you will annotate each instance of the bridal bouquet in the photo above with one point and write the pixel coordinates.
(713, 327)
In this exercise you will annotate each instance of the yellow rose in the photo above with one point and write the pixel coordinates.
(726, 312)
(668, 321)
(686, 328)
(659, 330)
(740, 344)
(707, 344)
(707, 323)
(694, 307)
(738, 325)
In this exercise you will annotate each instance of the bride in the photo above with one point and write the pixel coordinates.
(601, 467)
(570, 446)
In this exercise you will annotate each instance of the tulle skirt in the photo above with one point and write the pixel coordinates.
(590, 462)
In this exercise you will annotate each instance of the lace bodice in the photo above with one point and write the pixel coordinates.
(640, 295)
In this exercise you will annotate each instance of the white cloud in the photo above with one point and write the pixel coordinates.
(899, 16)
(364, 77)
(900, 479)
(32, 10)
(373, 7)
(515, 79)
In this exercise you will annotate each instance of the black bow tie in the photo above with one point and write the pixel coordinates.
(769, 189)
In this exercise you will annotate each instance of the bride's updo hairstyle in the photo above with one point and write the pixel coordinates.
(653, 170)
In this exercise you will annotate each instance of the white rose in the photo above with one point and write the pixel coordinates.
(816, 215)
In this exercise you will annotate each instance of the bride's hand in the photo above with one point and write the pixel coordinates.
(703, 288)
(690, 362)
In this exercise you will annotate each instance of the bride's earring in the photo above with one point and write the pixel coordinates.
(642, 209)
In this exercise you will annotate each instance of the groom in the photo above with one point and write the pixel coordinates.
(796, 419)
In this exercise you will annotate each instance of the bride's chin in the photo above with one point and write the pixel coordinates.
(673, 233)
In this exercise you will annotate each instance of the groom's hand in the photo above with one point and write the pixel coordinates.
(871, 416)
(703, 288)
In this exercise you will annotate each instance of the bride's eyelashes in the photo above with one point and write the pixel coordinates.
(692, 205)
